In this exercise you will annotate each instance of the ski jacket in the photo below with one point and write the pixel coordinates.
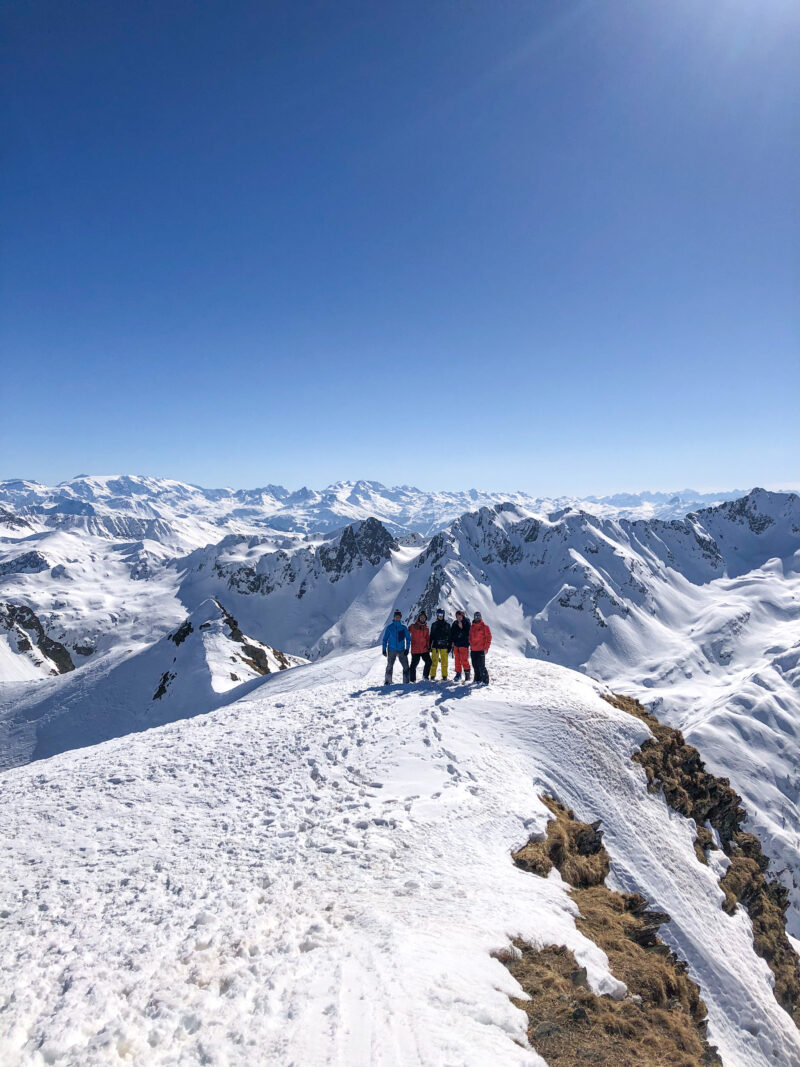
(480, 637)
(459, 634)
(420, 637)
(396, 637)
(440, 635)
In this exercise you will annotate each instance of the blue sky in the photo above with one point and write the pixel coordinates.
(551, 245)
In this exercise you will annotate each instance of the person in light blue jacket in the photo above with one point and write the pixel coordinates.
(396, 642)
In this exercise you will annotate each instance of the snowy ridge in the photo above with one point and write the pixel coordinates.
(194, 669)
(698, 616)
(319, 872)
(402, 509)
(127, 605)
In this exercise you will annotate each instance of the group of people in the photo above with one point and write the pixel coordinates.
(462, 638)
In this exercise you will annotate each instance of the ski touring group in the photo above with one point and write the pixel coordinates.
(463, 639)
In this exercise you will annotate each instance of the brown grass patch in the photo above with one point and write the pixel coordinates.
(676, 768)
(569, 1025)
(574, 848)
(662, 1021)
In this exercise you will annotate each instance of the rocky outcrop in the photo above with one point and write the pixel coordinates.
(677, 770)
(29, 633)
(368, 541)
(255, 656)
(12, 521)
(181, 633)
(662, 1020)
(27, 563)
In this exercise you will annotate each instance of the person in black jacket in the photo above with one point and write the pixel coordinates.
(459, 639)
(440, 644)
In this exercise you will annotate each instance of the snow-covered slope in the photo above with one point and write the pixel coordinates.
(699, 616)
(195, 668)
(319, 872)
(328, 594)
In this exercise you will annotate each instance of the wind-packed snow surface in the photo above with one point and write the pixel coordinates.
(319, 872)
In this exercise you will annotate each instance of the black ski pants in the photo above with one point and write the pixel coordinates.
(391, 655)
(479, 667)
(426, 670)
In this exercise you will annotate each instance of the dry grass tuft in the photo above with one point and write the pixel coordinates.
(569, 1025)
(766, 903)
(662, 1021)
(575, 849)
(675, 767)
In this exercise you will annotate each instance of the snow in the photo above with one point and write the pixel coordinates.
(13, 666)
(185, 511)
(699, 618)
(198, 667)
(319, 871)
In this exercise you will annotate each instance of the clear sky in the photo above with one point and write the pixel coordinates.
(551, 245)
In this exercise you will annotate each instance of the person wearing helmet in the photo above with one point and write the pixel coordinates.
(420, 646)
(440, 644)
(480, 638)
(459, 639)
(396, 642)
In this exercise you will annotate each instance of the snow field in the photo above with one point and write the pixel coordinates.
(318, 873)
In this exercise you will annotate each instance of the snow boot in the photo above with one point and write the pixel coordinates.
(457, 677)
(466, 676)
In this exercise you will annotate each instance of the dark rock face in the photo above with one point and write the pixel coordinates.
(370, 542)
(28, 563)
(435, 593)
(181, 633)
(366, 543)
(744, 511)
(253, 656)
(232, 624)
(163, 684)
(12, 521)
(21, 618)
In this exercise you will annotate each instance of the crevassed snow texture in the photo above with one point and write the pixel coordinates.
(318, 873)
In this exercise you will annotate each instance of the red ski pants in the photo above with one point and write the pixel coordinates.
(462, 658)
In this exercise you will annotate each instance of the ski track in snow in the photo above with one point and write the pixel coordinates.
(318, 873)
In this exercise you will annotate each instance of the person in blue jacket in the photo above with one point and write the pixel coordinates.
(396, 643)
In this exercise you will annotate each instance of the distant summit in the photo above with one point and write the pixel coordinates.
(403, 509)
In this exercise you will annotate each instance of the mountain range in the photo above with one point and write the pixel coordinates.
(130, 603)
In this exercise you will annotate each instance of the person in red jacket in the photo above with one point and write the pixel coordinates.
(420, 647)
(480, 638)
(459, 639)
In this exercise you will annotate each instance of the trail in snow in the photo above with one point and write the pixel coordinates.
(318, 873)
